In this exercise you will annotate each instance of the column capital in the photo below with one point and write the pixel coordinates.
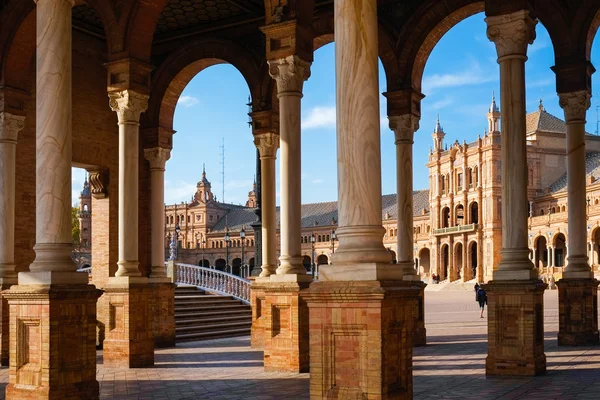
(128, 105)
(10, 126)
(511, 32)
(404, 127)
(575, 105)
(290, 73)
(157, 157)
(267, 144)
(98, 182)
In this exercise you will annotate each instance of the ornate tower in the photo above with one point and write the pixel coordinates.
(493, 116)
(203, 191)
(252, 203)
(438, 136)
(85, 214)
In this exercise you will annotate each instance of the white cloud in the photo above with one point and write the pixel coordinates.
(318, 181)
(442, 103)
(472, 75)
(188, 101)
(176, 193)
(320, 117)
(537, 46)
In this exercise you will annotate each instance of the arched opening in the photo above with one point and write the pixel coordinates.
(306, 262)
(560, 250)
(472, 261)
(541, 253)
(204, 263)
(251, 263)
(445, 217)
(425, 262)
(460, 214)
(220, 264)
(458, 262)
(394, 258)
(474, 213)
(322, 260)
(445, 261)
(236, 266)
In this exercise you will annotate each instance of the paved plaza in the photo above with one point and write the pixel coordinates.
(451, 366)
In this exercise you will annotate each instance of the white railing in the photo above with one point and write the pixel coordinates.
(88, 270)
(213, 280)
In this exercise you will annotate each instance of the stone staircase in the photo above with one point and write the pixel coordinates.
(200, 315)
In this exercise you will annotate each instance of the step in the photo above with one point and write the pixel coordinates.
(192, 307)
(247, 318)
(208, 327)
(212, 313)
(203, 299)
(212, 335)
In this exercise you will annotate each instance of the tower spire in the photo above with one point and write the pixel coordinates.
(438, 135)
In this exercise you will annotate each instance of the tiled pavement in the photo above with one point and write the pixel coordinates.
(451, 366)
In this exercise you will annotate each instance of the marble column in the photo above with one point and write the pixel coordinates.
(404, 128)
(290, 74)
(10, 125)
(129, 341)
(157, 157)
(162, 290)
(128, 105)
(577, 290)
(45, 346)
(267, 145)
(515, 294)
(512, 33)
(360, 306)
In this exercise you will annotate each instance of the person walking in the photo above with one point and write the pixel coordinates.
(476, 289)
(481, 299)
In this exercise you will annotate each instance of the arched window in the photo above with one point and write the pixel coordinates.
(213, 245)
(596, 202)
(553, 210)
(85, 207)
(542, 211)
(327, 238)
(319, 238)
(418, 230)
(563, 209)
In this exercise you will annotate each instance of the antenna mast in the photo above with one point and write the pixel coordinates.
(597, 119)
(222, 154)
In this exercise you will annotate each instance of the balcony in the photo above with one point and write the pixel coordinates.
(456, 229)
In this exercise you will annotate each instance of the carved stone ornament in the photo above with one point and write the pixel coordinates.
(267, 144)
(511, 32)
(290, 73)
(575, 105)
(99, 183)
(404, 127)
(157, 157)
(128, 105)
(10, 126)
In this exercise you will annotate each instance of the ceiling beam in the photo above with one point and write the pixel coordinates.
(251, 8)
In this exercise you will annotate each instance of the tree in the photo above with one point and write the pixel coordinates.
(75, 225)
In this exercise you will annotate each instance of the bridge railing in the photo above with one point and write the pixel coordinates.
(211, 280)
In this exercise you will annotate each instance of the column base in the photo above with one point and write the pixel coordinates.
(53, 351)
(285, 321)
(361, 339)
(578, 312)
(128, 339)
(257, 301)
(163, 307)
(515, 328)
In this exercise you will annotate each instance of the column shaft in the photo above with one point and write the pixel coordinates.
(404, 128)
(290, 74)
(359, 232)
(157, 157)
(54, 241)
(267, 145)
(128, 105)
(575, 105)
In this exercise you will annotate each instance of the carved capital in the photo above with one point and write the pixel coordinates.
(511, 33)
(99, 183)
(267, 144)
(404, 127)
(128, 105)
(10, 126)
(290, 74)
(157, 157)
(575, 105)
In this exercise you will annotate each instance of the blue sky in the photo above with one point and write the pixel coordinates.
(458, 81)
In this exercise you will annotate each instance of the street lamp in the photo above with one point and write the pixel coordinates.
(313, 239)
(333, 237)
(243, 237)
(227, 240)
(203, 243)
(176, 242)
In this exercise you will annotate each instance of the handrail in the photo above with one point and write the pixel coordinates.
(87, 269)
(455, 229)
(213, 280)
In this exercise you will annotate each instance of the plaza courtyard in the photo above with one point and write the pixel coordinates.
(451, 366)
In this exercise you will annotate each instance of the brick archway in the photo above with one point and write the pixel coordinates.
(180, 67)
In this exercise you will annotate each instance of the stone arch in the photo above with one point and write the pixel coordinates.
(459, 261)
(322, 259)
(595, 250)
(179, 68)
(139, 33)
(540, 244)
(425, 261)
(559, 243)
(307, 262)
(220, 264)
